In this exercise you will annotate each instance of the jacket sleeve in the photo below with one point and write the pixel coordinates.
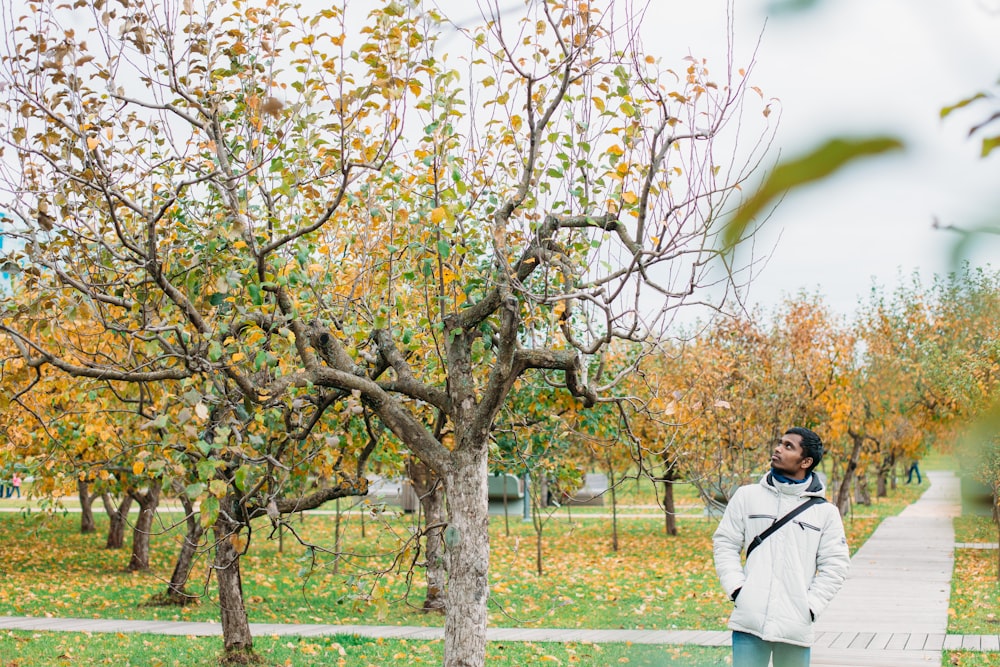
(727, 544)
(833, 560)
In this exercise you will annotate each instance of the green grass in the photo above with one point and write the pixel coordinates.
(975, 528)
(652, 582)
(975, 592)
(939, 460)
(970, 659)
(61, 649)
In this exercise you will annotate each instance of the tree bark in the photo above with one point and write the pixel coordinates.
(118, 518)
(235, 624)
(467, 540)
(614, 510)
(669, 503)
(176, 592)
(844, 494)
(430, 492)
(862, 495)
(87, 524)
(148, 502)
(882, 481)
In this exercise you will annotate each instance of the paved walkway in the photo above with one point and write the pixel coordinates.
(892, 611)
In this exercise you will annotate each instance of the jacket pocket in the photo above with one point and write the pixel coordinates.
(806, 526)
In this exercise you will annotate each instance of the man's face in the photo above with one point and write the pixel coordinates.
(787, 457)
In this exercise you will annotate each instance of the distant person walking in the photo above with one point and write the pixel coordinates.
(797, 556)
(914, 468)
(16, 483)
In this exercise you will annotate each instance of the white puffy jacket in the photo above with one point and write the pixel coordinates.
(791, 576)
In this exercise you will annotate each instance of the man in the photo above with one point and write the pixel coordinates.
(793, 574)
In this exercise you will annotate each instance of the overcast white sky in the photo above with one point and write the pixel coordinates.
(855, 67)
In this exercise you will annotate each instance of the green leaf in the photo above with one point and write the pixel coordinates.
(963, 103)
(206, 469)
(240, 478)
(989, 143)
(444, 248)
(813, 166)
(214, 351)
(194, 490)
(209, 511)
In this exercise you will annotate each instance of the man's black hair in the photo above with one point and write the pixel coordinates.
(812, 446)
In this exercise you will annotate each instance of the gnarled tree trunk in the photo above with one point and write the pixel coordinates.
(669, 505)
(118, 519)
(885, 468)
(430, 492)
(844, 494)
(176, 592)
(148, 502)
(467, 541)
(862, 495)
(87, 524)
(235, 625)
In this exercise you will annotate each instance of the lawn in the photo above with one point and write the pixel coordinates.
(653, 581)
(51, 649)
(975, 593)
(970, 659)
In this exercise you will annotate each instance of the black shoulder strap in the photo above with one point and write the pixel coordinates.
(814, 500)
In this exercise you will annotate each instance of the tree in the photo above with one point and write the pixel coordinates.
(729, 400)
(305, 215)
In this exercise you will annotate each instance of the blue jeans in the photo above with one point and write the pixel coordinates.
(752, 651)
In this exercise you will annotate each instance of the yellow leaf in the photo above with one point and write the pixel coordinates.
(630, 197)
(238, 357)
(92, 143)
(437, 215)
(138, 467)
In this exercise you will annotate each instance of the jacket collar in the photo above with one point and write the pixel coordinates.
(814, 487)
